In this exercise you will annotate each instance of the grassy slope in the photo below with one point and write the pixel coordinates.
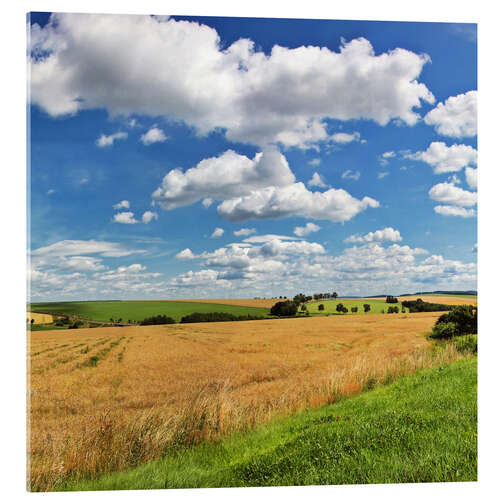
(422, 428)
(330, 306)
(138, 310)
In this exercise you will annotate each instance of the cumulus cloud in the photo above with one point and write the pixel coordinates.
(153, 135)
(186, 254)
(125, 218)
(108, 140)
(381, 175)
(144, 65)
(309, 228)
(264, 238)
(456, 117)
(446, 159)
(344, 138)
(245, 232)
(336, 205)
(314, 162)
(386, 234)
(316, 181)
(454, 211)
(122, 204)
(349, 174)
(148, 216)
(224, 177)
(218, 232)
(452, 195)
(471, 177)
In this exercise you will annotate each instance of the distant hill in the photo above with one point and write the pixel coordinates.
(448, 292)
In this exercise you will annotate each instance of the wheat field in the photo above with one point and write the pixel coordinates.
(39, 318)
(103, 399)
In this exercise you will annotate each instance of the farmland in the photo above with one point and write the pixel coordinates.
(39, 318)
(105, 399)
(138, 310)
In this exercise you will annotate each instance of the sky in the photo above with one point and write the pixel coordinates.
(189, 157)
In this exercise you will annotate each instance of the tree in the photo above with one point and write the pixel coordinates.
(335, 295)
(32, 320)
(391, 300)
(303, 308)
(284, 308)
(340, 307)
(354, 309)
(345, 310)
(366, 307)
(463, 317)
(321, 307)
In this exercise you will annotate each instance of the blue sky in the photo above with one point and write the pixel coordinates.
(345, 149)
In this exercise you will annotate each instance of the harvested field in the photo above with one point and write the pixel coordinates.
(266, 303)
(39, 318)
(103, 399)
(443, 299)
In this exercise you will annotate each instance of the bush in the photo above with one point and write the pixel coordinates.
(354, 309)
(391, 300)
(215, 316)
(366, 307)
(464, 318)
(340, 307)
(392, 309)
(158, 320)
(285, 308)
(466, 344)
(420, 306)
(321, 307)
(443, 331)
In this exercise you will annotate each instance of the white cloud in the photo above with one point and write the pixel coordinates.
(125, 218)
(153, 135)
(108, 140)
(316, 181)
(386, 234)
(264, 238)
(471, 177)
(454, 211)
(457, 117)
(474, 248)
(51, 191)
(224, 177)
(349, 174)
(207, 202)
(344, 138)
(143, 65)
(218, 232)
(453, 179)
(81, 263)
(314, 162)
(336, 205)
(381, 175)
(148, 216)
(446, 159)
(186, 254)
(388, 154)
(82, 247)
(244, 232)
(452, 195)
(309, 228)
(122, 204)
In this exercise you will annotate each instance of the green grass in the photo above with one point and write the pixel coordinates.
(421, 428)
(376, 306)
(138, 310)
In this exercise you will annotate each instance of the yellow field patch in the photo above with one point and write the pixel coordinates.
(266, 303)
(39, 318)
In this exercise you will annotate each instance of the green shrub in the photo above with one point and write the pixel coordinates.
(464, 318)
(443, 331)
(161, 319)
(285, 308)
(466, 344)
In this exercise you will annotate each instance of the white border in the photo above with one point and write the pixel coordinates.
(13, 199)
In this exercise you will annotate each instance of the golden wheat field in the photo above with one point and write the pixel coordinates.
(39, 318)
(267, 303)
(443, 299)
(102, 399)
